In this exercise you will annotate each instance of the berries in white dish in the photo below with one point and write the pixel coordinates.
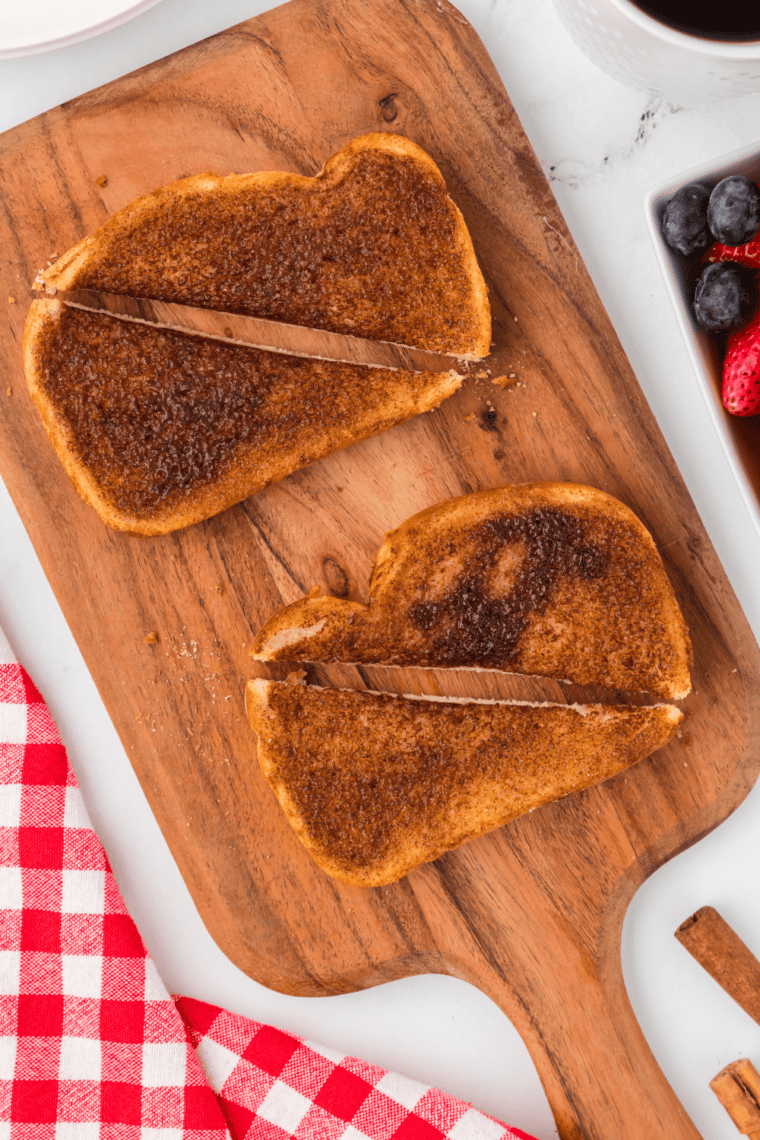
(733, 211)
(722, 300)
(724, 226)
(684, 223)
(741, 371)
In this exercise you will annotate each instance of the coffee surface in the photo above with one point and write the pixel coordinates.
(732, 20)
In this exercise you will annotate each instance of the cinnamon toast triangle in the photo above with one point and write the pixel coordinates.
(549, 579)
(374, 785)
(371, 246)
(176, 428)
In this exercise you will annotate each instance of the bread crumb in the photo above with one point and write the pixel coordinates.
(9, 391)
(504, 381)
(11, 300)
(470, 418)
(297, 677)
(315, 592)
(220, 589)
(535, 413)
(151, 638)
(101, 180)
(139, 716)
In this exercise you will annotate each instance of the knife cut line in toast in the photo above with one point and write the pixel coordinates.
(258, 332)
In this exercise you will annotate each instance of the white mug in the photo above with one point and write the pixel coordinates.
(642, 52)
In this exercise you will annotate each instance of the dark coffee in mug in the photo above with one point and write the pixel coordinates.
(736, 21)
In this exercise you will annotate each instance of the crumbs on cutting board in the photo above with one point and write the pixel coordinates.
(101, 180)
(181, 651)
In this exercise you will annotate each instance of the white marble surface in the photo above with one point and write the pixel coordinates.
(604, 146)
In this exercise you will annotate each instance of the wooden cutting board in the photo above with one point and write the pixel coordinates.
(532, 914)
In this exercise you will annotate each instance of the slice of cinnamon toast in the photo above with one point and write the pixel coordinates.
(550, 579)
(158, 429)
(374, 785)
(372, 246)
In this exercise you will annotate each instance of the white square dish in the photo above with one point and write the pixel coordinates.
(740, 435)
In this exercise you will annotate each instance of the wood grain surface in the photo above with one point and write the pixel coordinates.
(532, 913)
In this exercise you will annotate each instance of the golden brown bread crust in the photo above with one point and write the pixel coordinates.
(374, 785)
(371, 246)
(550, 579)
(158, 429)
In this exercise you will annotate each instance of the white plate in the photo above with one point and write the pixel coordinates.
(44, 25)
(740, 435)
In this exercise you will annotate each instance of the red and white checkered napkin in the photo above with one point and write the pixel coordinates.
(92, 1047)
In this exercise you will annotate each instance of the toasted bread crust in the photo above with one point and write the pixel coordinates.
(451, 316)
(374, 785)
(315, 408)
(550, 579)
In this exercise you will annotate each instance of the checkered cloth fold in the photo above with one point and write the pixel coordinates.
(92, 1046)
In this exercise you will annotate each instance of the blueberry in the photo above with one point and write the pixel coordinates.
(684, 223)
(733, 212)
(722, 300)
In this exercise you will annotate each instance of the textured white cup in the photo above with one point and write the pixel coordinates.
(643, 53)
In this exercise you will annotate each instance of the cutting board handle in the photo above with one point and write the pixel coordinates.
(571, 1007)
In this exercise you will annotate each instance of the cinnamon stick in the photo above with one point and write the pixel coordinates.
(737, 1087)
(721, 952)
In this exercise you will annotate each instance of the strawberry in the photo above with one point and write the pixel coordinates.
(747, 255)
(741, 370)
